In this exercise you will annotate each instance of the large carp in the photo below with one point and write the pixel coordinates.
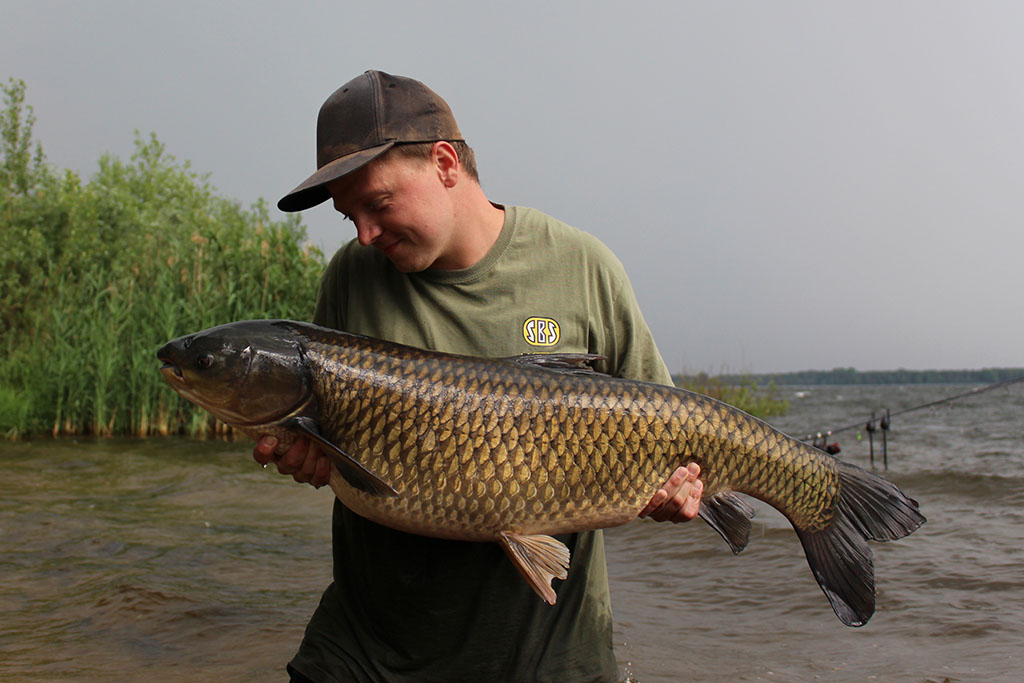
(513, 450)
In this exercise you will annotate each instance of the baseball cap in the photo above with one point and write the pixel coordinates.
(365, 118)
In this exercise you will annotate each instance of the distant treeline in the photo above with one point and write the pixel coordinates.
(853, 376)
(96, 275)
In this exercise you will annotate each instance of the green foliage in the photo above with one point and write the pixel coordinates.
(95, 276)
(746, 395)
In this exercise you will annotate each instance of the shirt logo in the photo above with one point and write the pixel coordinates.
(541, 331)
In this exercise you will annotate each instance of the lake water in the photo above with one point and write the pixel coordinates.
(177, 560)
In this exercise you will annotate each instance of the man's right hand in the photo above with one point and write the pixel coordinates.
(303, 461)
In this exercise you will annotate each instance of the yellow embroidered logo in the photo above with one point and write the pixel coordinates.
(541, 331)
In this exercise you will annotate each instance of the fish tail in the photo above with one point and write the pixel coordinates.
(869, 508)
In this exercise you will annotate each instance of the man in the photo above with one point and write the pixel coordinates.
(437, 265)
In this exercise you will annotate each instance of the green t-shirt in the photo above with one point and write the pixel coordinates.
(410, 608)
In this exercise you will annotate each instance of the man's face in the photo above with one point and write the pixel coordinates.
(401, 207)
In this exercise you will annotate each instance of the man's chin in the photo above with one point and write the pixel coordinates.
(406, 262)
(404, 265)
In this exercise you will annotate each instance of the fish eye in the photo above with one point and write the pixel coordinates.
(204, 361)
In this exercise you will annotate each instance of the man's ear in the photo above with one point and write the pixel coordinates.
(446, 161)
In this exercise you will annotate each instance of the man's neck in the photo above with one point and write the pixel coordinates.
(479, 224)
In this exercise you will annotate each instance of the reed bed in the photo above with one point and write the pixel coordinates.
(99, 275)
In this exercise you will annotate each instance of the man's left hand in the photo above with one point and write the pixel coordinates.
(679, 499)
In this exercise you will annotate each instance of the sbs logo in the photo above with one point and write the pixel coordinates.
(541, 331)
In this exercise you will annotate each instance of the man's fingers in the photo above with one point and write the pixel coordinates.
(309, 465)
(660, 496)
(663, 496)
(679, 499)
(671, 507)
(292, 461)
(263, 453)
(322, 474)
(303, 460)
(691, 507)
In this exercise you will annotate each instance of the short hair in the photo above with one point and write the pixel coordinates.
(422, 151)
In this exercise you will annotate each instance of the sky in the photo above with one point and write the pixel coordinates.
(790, 185)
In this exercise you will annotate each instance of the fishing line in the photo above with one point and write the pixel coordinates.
(883, 421)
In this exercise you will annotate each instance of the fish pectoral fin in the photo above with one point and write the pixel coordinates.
(569, 363)
(354, 472)
(539, 559)
(729, 515)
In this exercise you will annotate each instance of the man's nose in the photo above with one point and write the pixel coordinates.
(367, 232)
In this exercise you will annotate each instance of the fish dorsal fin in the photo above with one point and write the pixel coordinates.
(539, 559)
(354, 472)
(572, 363)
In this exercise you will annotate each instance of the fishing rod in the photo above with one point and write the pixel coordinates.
(820, 438)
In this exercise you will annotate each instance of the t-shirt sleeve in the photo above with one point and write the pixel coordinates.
(328, 312)
(622, 334)
(639, 356)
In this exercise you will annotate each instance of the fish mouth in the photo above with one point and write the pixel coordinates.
(170, 371)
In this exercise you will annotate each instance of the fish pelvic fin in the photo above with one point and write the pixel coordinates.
(869, 508)
(353, 471)
(728, 514)
(539, 559)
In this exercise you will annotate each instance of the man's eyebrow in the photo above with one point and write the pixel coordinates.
(370, 196)
(360, 195)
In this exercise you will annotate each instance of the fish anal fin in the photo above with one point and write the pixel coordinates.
(353, 471)
(539, 559)
(729, 515)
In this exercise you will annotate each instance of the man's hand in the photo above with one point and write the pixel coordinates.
(303, 461)
(679, 499)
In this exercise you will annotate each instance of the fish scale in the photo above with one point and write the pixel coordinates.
(571, 429)
(514, 450)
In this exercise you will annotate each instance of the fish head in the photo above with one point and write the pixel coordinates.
(248, 374)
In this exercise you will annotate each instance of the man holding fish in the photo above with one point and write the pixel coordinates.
(437, 265)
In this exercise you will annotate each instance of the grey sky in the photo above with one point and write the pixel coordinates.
(789, 184)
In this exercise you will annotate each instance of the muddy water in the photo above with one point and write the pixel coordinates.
(179, 560)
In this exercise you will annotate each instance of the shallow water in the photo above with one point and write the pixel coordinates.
(950, 602)
(184, 560)
(181, 560)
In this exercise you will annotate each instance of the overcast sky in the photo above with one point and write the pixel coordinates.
(790, 185)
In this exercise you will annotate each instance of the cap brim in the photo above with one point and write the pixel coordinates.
(313, 190)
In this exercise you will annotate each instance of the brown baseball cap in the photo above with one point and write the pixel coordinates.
(365, 118)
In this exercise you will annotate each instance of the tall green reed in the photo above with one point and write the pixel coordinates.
(143, 252)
